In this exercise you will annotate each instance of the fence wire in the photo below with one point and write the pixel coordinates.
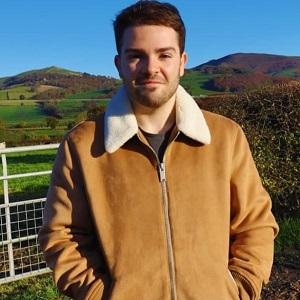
(20, 221)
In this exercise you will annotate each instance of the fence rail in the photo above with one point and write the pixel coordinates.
(20, 221)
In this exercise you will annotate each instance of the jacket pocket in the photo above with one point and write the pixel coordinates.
(232, 286)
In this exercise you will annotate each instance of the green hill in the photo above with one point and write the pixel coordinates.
(51, 70)
(54, 83)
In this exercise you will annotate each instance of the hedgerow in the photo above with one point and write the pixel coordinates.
(270, 118)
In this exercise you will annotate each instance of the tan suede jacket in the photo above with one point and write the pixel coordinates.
(119, 225)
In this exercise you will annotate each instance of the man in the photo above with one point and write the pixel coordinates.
(156, 199)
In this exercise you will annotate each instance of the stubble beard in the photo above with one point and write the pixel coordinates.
(151, 97)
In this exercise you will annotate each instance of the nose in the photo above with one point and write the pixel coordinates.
(150, 66)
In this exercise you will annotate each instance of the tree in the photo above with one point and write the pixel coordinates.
(50, 108)
(51, 122)
(22, 97)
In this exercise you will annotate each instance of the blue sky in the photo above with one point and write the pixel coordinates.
(78, 35)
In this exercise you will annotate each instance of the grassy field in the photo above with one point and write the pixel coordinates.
(194, 82)
(15, 92)
(28, 113)
(24, 123)
(70, 108)
(87, 95)
(13, 114)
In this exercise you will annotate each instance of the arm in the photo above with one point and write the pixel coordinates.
(253, 226)
(67, 236)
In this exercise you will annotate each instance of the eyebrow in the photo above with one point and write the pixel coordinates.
(130, 50)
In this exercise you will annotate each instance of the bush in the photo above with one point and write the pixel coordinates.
(22, 124)
(270, 118)
(50, 108)
(92, 113)
(289, 234)
(51, 122)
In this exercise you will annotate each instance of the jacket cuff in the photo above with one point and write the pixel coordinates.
(98, 290)
(247, 290)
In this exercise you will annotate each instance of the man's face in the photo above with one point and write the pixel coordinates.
(150, 64)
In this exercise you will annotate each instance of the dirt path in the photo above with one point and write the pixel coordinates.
(285, 280)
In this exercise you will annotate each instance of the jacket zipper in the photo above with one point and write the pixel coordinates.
(162, 178)
(163, 181)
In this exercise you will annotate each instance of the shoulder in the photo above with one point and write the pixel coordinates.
(86, 137)
(215, 120)
(222, 128)
(86, 131)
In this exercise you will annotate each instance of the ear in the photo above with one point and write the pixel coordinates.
(183, 60)
(118, 64)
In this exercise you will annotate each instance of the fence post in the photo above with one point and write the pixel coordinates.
(7, 214)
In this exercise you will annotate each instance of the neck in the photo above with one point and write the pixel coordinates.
(158, 119)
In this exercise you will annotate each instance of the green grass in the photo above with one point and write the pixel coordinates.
(70, 108)
(14, 114)
(33, 288)
(194, 82)
(87, 95)
(75, 103)
(58, 131)
(25, 124)
(15, 92)
(30, 161)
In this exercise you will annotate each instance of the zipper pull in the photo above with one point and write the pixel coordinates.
(162, 172)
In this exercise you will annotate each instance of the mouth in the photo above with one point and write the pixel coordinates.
(149, 83)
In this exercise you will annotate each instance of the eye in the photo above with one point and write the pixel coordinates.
(165, 55)
(133, 56)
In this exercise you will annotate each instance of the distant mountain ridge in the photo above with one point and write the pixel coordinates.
(252, 62)
(45, 74)
(51, 69)
(243, 71)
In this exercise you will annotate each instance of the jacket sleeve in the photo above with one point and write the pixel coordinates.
(253, 227)
(67, 236)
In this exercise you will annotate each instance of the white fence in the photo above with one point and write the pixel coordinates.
(20, 220)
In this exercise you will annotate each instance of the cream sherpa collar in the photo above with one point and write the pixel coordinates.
(120, 123)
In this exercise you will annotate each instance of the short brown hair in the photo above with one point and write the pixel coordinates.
(148, 12)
